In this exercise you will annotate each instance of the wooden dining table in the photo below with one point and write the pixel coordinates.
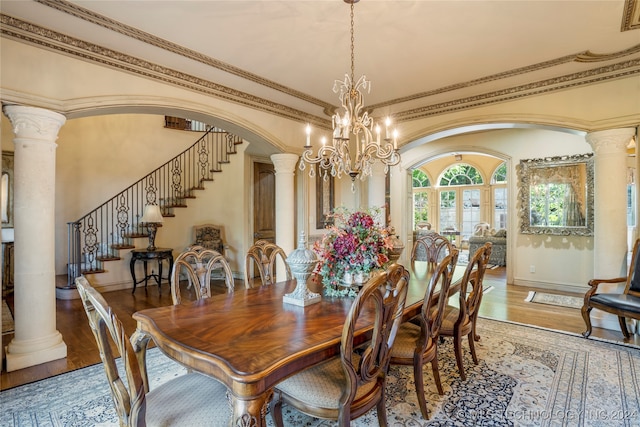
(251, 340)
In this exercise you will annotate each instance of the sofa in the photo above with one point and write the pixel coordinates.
(498, 241)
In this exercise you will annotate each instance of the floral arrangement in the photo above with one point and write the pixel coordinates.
(354, 244)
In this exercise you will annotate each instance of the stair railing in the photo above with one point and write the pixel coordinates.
(99, 235)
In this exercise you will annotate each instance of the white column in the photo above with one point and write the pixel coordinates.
(610, 212)
(376, 190)
(36, 339)
(285, 166)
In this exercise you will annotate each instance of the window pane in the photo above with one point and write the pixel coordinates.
(500, 208)
(470, 212)
(448, 209)
(420, 208)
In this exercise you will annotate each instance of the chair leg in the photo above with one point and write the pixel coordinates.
(382, 410)
(419, 382)
(472, 347)
(623, 326)
(457, 345)
(586, 316)
(436, 375)
(275, 408)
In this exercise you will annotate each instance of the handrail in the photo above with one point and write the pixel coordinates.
(100, 234)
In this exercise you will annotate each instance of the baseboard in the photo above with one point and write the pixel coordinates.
(577, 290)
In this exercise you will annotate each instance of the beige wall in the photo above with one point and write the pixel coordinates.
(97, 157)
(92, 165)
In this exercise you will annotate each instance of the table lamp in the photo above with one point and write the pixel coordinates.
(151, 218)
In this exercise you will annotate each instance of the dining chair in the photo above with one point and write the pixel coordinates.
(198, 264)
(460, 320)
(349, 385)
(431, 247)
(416, 343)
(263, 255)
(624, 304)
(190, 399)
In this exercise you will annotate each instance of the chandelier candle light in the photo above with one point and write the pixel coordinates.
(353, 131)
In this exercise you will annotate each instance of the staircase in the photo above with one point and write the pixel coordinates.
(99, 236)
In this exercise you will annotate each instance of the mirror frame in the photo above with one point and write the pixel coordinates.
(524, 170)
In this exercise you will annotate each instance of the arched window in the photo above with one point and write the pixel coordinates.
(461, 174)
(420, 179)
(500, 174)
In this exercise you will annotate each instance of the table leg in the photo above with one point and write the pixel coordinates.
(146, 273)
(250, 412)
(160, 262)
(132, 266)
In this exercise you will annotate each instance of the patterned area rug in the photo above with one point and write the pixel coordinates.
(526, 377)
(553, 299)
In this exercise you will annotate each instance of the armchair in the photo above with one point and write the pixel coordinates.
(209, 236)
(625, 304)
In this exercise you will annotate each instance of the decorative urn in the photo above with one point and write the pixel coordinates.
(398, 246)
(302, 261)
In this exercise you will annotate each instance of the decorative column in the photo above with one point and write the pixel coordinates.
(36, 339)
(376, 192)
(285, 165)
(610, 211)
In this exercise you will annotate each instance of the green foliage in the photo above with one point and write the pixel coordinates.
(547, 204)
(461, 174)
(420, 179)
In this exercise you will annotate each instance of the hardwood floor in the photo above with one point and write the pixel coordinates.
(504, 302)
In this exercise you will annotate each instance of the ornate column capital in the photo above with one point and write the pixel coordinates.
(285, 162)
(612, 141)
(34, 123)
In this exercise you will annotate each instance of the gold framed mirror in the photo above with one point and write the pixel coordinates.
(555, 195)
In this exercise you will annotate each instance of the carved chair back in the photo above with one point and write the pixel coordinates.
(128, 396)
(418, 345)
(433, 247)
(264, 256)
(347, 387)
(471, 283)
(198, 264)
(184, 400)
(460, 320)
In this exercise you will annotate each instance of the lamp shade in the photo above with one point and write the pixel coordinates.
(151, 214)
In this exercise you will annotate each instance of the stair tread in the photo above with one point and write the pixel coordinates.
(108, 258)
(126, 246)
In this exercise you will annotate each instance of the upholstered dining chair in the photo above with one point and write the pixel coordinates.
(460, 320)
(416, 343)
(622, 304)
(198, 264)
(187, 400)
(264, 256)
(347, 386)
(432, 247)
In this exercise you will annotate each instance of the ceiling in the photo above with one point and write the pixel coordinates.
(424, 57)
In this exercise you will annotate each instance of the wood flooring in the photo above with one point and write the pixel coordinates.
(504, 302)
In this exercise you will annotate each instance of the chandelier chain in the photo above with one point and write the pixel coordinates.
(353, 147)
(353, 39)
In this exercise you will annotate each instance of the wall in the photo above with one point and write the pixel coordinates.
(97, 157)
(549, 254)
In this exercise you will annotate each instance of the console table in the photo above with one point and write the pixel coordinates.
(146, 255)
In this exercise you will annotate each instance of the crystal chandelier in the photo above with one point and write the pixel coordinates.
(353, 149)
